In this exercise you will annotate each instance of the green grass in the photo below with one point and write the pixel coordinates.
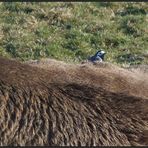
(73, 31)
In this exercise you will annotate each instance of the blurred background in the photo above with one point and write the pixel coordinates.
(73, 31)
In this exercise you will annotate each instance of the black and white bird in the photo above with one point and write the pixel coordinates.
(98, 57)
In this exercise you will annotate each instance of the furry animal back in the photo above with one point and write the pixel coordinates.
(39, 106)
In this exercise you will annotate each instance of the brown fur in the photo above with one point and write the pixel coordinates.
(54, 103)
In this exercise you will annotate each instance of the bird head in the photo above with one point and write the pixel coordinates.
(101, 54)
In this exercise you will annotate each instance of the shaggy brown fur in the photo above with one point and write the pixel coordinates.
(65, 104)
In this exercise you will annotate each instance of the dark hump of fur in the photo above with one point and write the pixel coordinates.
(36, 111)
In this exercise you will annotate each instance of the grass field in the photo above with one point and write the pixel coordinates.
(73, 31)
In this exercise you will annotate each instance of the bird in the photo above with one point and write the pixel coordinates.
(99, 56)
